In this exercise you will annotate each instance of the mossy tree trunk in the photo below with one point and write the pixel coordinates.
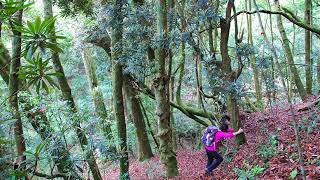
(117, 81)
(14, 91)
(4, 62)
(160, 84)
(289, 56)
(100, 108)
(307, 47)
(67, 95)
(253, 59)
(144, 147)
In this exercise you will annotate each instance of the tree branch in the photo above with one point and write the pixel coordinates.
(295, 20)
(49, 176)
(145, 90)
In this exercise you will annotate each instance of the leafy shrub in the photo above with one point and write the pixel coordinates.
(269, 149)
(248, 172)
(308, 125)
(293, 174)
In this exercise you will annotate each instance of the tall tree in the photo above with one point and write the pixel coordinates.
(14, 89)
(289, 56)
(117, 80)
(144, 147)
(160, 84)
(100, 108)
(4, 62)
(307, 47)
(67, 95)
(229, 74)
(253, 59)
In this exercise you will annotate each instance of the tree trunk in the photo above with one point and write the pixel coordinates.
(14, 90)
(293, 69)
(67, 95)
(100, 108)
(144, 147)
(216, 32)
(318, 70)
(40, 122)
(4, 62)
(307, 47)
(117, 81)
(253, 61)
(160, 84)
(232, 105)
(273, 92)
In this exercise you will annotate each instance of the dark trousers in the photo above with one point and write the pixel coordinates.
(214, 159)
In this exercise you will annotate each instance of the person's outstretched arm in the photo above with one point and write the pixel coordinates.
(238, 132)
(228, 135)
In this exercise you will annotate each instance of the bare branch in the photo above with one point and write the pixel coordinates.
(295, 20)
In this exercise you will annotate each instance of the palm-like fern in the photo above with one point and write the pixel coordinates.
(39, 34)
(38, 73)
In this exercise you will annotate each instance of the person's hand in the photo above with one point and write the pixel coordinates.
(240, 131)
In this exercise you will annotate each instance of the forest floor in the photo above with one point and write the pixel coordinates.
(270, 145)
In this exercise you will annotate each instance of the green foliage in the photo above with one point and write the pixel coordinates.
(293, 174)
(38, 73)
(39, 34)
(269, 148)
(248, 172)
(310, 124)
(72, 8)
(38, 149)
(9, 7)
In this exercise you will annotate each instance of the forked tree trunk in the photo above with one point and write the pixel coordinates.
(229, 74)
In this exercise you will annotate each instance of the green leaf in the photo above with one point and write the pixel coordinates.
(38, 86)
(55, 48)
(45, 86)
(52, 83)
(37, 25)
(40, 147)
(293, 174)
(31, 27)
(28, 153)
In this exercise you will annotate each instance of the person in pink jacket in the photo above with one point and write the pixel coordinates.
(214, 158)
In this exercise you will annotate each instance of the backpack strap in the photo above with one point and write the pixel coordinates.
(215, 141)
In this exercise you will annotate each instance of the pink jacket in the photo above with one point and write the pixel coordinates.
(220, 135)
